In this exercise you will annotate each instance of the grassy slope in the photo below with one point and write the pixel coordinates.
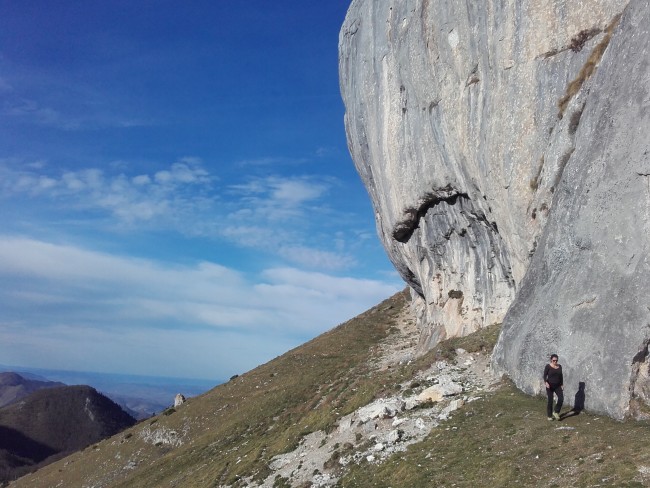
(235, 429)
(506, 441)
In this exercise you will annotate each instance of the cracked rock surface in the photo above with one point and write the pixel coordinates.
(460, 119)
(505, 149)
(585, 294)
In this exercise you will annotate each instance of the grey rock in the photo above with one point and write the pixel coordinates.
(585, 295)
(504, 148)
(382, 408)
(394, 436)
(179, 399)
(453, 123)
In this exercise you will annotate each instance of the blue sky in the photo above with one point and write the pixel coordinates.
(176, 194)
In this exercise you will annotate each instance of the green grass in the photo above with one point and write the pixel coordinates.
(268, 410)
(505, 440)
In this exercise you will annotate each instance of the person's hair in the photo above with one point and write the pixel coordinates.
(554, 356)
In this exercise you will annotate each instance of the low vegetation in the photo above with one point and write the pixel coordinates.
(589, 68)
(229, 436)
(506, 441)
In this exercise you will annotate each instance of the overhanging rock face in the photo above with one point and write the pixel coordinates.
(475, 127)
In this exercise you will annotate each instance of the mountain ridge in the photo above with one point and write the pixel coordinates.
(53, 422)
(14, 386)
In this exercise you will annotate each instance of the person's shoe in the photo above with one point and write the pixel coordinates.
(556, 416)
(549, 418)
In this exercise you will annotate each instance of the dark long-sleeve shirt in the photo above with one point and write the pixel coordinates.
(553, 376)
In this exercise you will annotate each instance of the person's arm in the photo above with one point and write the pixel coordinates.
(546, 376)
(561, 379)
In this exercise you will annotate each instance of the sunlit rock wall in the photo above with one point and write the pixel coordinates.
(586, 293)
(504, 146)
(461, 117)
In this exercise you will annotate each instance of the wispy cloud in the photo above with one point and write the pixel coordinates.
(5, 86)
(164, 195)
(273, 214)
(284, 214)
(316, 258)
(93, 130)
(92, 293)
(274, 199)
(206, 293)
(271, 161)
(53, 100)
(30, 111)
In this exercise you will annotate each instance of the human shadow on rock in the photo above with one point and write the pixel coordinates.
(578, 402)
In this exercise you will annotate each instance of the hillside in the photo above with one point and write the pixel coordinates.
(13, 387)
(354, 408)
(54, 422)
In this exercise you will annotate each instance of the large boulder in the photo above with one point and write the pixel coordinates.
(473, 126)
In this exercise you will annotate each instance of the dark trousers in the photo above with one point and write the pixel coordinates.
(557, 389)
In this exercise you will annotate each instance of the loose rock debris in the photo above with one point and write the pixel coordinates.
(387, 425)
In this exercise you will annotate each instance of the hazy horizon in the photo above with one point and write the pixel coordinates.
(176, 190)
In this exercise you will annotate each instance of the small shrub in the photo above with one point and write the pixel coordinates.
(589, 67)
(333, 461)
(579, 40)
(281, 482)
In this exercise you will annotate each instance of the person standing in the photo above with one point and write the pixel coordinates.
(554, 385)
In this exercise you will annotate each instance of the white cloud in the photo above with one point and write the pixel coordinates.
(274, 199)
(59, 296)
(272, 161)
(205, 294)
(167, 196)
(34, 112)
(316, 258)
(186, 172)
(141, 180)
(295, 191)
(278, 216)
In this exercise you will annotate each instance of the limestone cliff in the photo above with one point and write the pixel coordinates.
(503, 140)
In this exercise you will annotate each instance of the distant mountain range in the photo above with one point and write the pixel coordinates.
(13, 387)
(42, 426)
(141, 396)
